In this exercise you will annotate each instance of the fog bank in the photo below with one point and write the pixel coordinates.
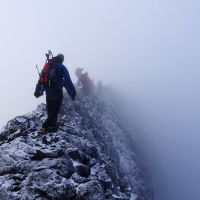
(166, 112)
(149, 50)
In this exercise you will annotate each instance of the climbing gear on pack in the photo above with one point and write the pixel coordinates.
(49, 72)
(48, 55)
(38, 70)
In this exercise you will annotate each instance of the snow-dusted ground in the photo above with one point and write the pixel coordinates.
(91, 157)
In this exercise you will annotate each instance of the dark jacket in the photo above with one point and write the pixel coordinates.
(62, 80)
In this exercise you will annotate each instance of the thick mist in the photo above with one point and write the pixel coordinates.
(148, 50)
(165, 118)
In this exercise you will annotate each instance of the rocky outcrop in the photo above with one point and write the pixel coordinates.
(91, 157)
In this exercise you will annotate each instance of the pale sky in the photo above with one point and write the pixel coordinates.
(147, 49)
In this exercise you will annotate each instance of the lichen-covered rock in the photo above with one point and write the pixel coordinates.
(90, 157)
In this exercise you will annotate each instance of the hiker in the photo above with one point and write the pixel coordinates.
(78, 73)
(53, 78)
(84, 80)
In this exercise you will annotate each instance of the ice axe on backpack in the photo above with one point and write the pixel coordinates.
(49, 56)
(38, 70)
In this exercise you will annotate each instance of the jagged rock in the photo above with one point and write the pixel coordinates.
(74, 154)
(79, 179)
(83, 170)
(89, 158)
(90, 191)
(21, 119)
(38, 155)
(48, 184)
(91, 150)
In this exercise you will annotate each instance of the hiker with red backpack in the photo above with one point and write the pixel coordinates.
(53, 78)
(84, 81)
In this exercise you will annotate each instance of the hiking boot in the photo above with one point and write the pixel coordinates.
(52, 129)
(43, 130)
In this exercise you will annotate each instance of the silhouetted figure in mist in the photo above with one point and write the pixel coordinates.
(84, 81)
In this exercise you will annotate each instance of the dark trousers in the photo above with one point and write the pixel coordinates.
(54, 101)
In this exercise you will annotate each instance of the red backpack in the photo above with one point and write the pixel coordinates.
(48, 74)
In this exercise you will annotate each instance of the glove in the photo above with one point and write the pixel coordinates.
(73, 98)
(36, 94)
(39, 90)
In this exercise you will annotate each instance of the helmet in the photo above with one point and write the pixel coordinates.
(60, 58)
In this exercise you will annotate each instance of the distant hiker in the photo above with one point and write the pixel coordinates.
(84, 80)
(53, 78)
(78, 73)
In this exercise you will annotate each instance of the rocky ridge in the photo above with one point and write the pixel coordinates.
(91, 157)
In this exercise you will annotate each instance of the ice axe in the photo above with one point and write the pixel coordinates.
(38, 70)
(48, 55)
